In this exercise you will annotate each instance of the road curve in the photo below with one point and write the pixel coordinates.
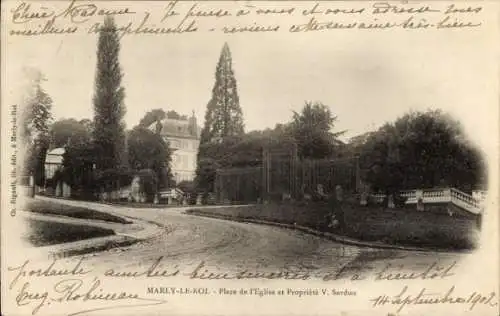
(228, 245)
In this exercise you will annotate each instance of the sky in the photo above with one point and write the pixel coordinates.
(365, 78)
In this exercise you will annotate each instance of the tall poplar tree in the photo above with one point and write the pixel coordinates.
(223, 116)
(109, 109)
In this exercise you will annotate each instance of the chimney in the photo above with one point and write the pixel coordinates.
(193, 126)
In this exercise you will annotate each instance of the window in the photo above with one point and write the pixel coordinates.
(174, 143)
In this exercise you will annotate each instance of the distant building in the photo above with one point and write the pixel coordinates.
(183, 135)
(53, 162)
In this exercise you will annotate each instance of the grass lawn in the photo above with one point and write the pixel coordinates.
(54, 208)
(42, 233)
(433, 229)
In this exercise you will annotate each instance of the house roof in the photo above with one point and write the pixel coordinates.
(57, 151)
(178, 128)
(55, 156)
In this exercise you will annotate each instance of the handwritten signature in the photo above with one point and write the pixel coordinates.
(72, 290)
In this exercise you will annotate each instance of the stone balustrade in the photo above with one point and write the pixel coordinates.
(472, 203)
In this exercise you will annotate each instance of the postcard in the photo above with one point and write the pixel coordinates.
(250, 157)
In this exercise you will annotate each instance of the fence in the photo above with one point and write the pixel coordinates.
(328, 174)
(286, 176)
(238, 185)
(283, 176)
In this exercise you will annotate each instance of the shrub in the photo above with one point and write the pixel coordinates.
(186, 186)
(112, 179)
(52, 182)
(148, 182)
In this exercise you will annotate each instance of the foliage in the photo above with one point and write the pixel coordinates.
(112, 179)
(35, 114)
(34, 128)
(78, 167)
(148, 150)
(36, 154)
(311, 129)
(186, 186)
(69, 131)
(52, 182)
(238, 151)
(421, 150)
(152, 116)
(109, 109)
(205, 174)
(223, 117)
(148, 182)
(88, 124)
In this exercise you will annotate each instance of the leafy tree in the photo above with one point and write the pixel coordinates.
(312, 131)
(239, 151)
(223, 116)
(78, 167)
(109, 180)
(34, 127)
(205, 174)
(148, 182)
(66, 131)
(89, 126)
(280, 133)
(151, 117)
(148, 150)
(421, 150)
(109, 109)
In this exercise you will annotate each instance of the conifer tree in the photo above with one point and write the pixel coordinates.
(109, 109)
(223, 117)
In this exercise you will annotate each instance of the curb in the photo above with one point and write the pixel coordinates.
(107, 243)
(121, 238)
(334, 237)
(98, 207)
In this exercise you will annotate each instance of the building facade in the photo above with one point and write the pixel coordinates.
(53, 162)
(183, 136)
